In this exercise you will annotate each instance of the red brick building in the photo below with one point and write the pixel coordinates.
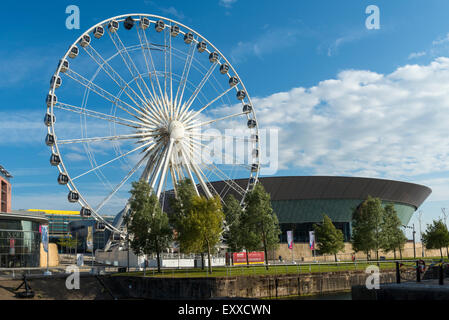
(5, 190)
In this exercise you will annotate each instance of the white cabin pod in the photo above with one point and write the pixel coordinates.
(252, 123)
(98, 32)
(64, 64)
(213, 57)
(144, 23)
(74, 52)
(255, 137)
(73, 197)
(128, 23)
(63, 179)
(255, 153)
(100, 226)
(85, 212)
(85, 40)
(51, 98)
(174, 30)
(113, 26)
(188, 38)
(233, 81)
(224, 68)
(247, 108)
(49, 140)
(201, 46)
(159, 26)
(55, 160)
(241, 95)
(49, 119)
(56, 80)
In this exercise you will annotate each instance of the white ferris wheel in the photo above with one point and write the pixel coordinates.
(140, 96)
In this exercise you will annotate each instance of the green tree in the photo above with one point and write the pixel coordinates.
(436, 236)
(259, 224)
(148, 225)
(67, 243)
(391, 236)
(202, 226)
(330, 240)
(232, 234)
(366, 226)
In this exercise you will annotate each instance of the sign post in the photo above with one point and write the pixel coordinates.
(290, 243)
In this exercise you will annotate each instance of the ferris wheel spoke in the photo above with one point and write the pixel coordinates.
(224, 137)
(226, 156)
(188, 167)
(128, 61)
(198, 173)
(202, 124)
(97, 115)
(115, 76)
(201, 177)
(118, 186)
(98, 90)
(150, 56)
(151, 163)
(110, 161)
(185, 74)
(225, 178)
(198, 89)
(98, 139)
(146, 47)
(188, 117)
(164, 171)
(219, 173)
(157, 166)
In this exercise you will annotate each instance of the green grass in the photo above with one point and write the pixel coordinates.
(256, 270)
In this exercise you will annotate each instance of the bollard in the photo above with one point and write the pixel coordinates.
(418, 272)
(441, 275)
(398, 273)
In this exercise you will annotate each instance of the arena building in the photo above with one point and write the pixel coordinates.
(301, 201)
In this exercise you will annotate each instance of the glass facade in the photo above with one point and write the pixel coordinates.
(19, 243)
(300, 215)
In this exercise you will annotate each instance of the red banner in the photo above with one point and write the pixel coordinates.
(253, 258)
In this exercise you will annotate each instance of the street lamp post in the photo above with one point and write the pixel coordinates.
(414, 244)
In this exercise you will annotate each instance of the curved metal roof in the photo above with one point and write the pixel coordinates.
(323, 187)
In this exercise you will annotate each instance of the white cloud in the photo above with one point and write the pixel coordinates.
(227, 3)
(271, 40)
(414, 55)
(364, 123)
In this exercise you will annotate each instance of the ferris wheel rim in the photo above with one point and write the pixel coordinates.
(51, 129)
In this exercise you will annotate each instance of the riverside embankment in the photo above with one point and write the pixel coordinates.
(252, 287)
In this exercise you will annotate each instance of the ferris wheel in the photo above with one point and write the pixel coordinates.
(140, 96)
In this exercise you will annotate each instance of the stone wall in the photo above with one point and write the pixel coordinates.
(302, 252)
(125, 287)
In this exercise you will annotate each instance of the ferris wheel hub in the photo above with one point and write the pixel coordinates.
(176, 130)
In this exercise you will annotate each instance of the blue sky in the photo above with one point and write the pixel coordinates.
(355, 101)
